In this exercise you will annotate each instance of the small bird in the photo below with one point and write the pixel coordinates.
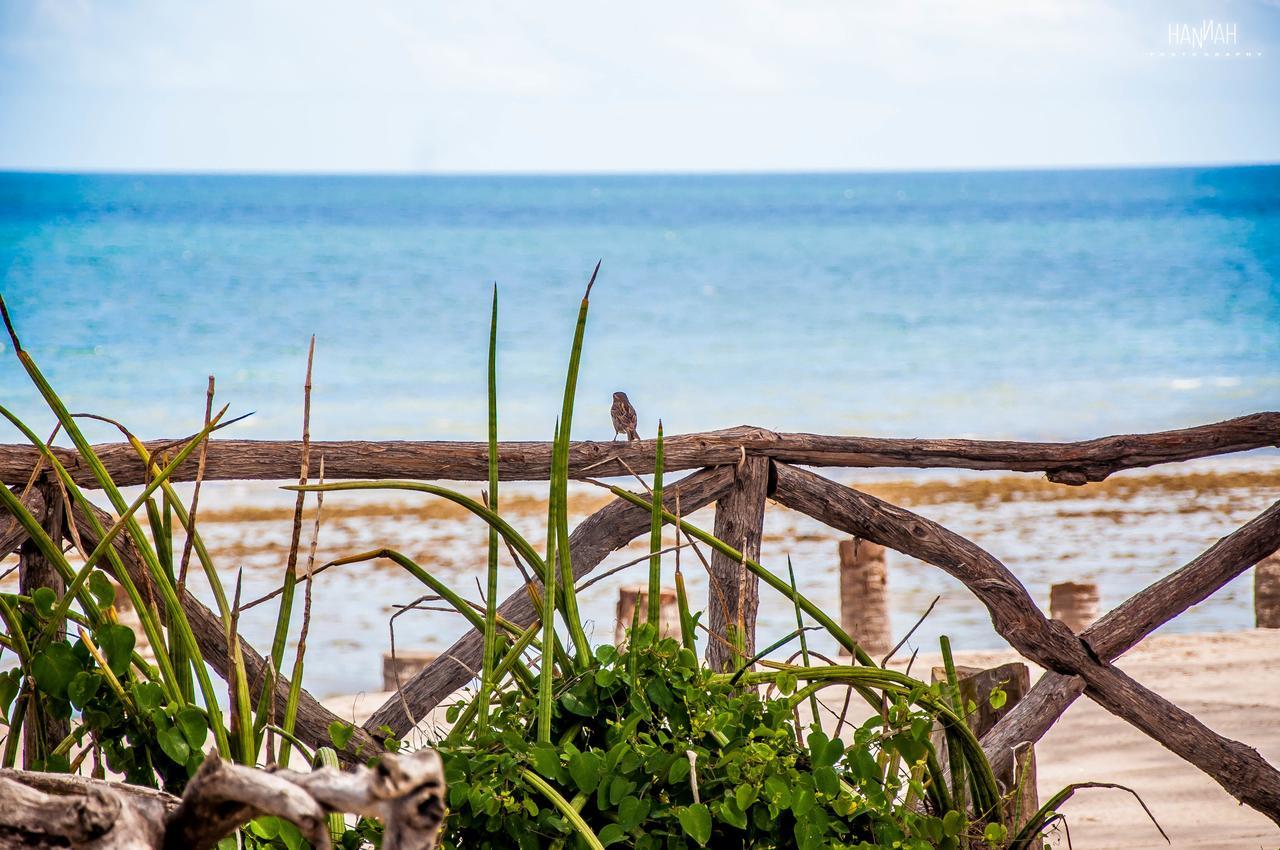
(624, 417)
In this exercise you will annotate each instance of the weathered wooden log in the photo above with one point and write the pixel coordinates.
(404, 665)
(733, 592)
(313, 719)
(1236, 767)
(864, 594)
(12, 534)
(1130, 622)
(405, 792)
(1066, 463)
(637, 596)
(608, 529)
(1266, 592)
(1017, 781)
(1074, 603)
(42, 731)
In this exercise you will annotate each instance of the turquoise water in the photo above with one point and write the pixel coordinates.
(1049, 305)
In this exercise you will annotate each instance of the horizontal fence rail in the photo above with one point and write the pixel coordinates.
(1064, 463)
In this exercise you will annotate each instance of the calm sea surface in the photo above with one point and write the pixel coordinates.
(1028, 305)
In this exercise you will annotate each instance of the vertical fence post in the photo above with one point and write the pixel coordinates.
(41, 731)
(1266, 592)
(733, 592)
(637, 596)
(1017, 779)
(864, 594)
(1074, 603)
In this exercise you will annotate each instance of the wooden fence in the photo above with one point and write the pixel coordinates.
(740, 470)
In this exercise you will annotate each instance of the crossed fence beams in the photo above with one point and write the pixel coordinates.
(756, 466)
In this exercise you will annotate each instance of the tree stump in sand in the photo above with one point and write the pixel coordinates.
(407, 663)
(976, 687)
(864, 594)
(1074, 603)
(631, 597)
(1266, 592)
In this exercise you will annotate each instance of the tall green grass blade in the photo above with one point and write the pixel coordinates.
(688, 623)
(957, 704)
(560, 482)
(491, 583)
(804, 642)
(328, 757)
(655, 536)
(569, 813)
(546, 671)
(1027, 835)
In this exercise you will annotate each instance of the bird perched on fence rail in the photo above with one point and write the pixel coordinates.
(624, 417)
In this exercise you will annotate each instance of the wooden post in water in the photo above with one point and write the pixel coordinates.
(733, 593)
(976, 687)
(629, 598)
(1266, 592)
(864, 594)
(1074, 603)
(41, 731)
(407, 663)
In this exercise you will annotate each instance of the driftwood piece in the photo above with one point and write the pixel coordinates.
(1266, 592)
(1127, 624)
(313, 719)
(1074, 603)
(12, 534)
(733, 592)
(405, 792)
(610, 528)
(1236, 767)
(864, 594)
(1066, 463)
(976, 687)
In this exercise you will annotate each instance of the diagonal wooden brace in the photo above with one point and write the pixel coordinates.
(1237, 768)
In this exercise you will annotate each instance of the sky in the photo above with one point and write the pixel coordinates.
(692, 85)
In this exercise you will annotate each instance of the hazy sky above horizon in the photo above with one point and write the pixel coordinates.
(736, 85)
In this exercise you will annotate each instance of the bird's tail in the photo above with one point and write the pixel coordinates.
(632, 435)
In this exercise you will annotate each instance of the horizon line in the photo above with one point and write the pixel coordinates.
(780, 172)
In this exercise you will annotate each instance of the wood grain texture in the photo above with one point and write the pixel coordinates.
(733, 592)
(1066, 463)
(608, 529)
(1236, 767)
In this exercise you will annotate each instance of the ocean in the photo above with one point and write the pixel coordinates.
(1033, 305)
(1021, 305)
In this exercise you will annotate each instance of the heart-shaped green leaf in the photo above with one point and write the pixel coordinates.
(174, 744)
(54, 668)
(194, 726)
(116, 642)
(45, 599)
(82, 688)
(696, 822)
(102, 588)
